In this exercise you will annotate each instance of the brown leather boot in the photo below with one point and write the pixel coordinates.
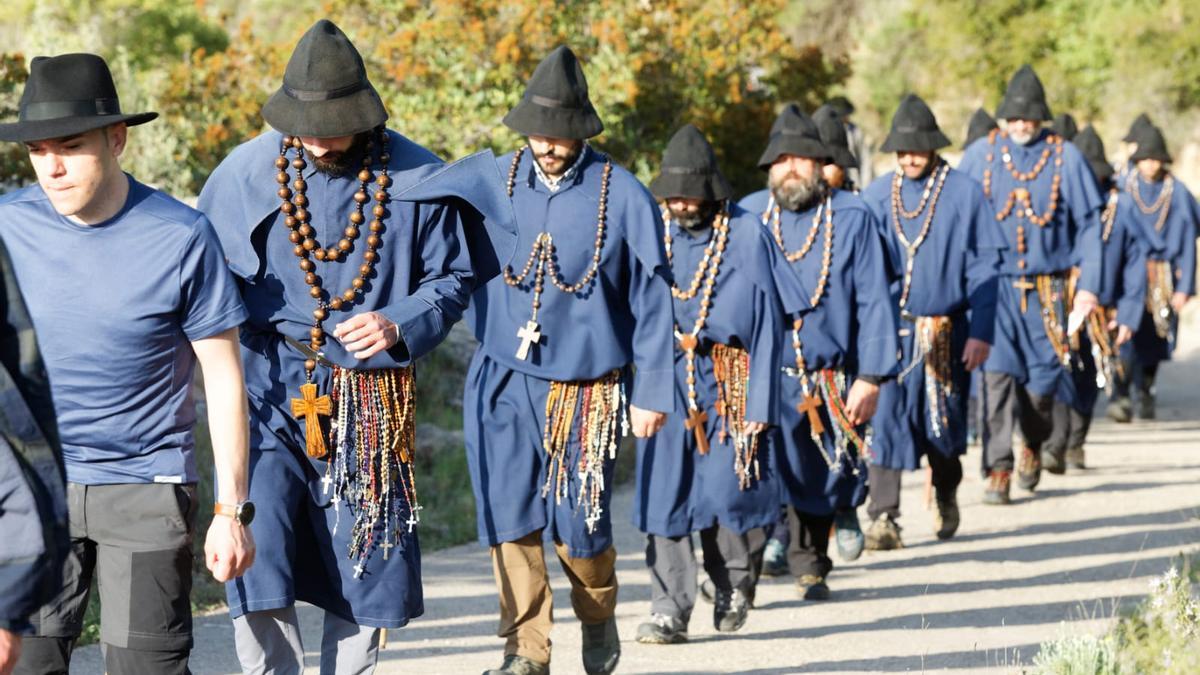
(997, 488)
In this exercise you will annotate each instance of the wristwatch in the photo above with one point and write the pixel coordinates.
(243, 513)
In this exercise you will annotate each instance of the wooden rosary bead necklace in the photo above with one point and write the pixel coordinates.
(1162, 205)
(1020, 199)
(940, 171)
(543, 254)
(1108, 217)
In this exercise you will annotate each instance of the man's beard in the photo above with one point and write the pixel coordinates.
(568, 159)
(1023, 138)
(339, 164)
(697, 220)
(795, 193)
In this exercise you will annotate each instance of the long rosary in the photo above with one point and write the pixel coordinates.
(543, 254)
(933, 191)
(297, 217)
(1162, 205)
(1161, 283)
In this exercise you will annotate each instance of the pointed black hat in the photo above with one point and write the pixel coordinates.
(325, 91)
(689, 169)
(831, 127)
(1092, 148)
(793, 133)
(1150, 145)
(1025, 98)
(914, 128)
(1064, 125)
(1139, 123)
(556, 102)
(842, 105)
(980, 125)
(67, 95)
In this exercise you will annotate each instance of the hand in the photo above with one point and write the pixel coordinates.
(752, 429)
(1178, 300)
(10, 651)
(365, 335)
(1124, 334)
(861, 402)
(1085, 303)
(645, 423)
(228, 548)
(975, 353)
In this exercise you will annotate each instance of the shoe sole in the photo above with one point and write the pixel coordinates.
(657, 640)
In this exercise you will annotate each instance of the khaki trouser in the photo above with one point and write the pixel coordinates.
(526, 603)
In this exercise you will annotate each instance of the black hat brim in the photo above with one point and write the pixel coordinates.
(1150, 153)
(704, 186)
(843, 157)
(532, 119)
(791, 144)
(1024, 110)
(914, 141)
(330, 118)
(40, 130)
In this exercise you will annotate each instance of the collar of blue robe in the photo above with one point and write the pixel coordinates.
(980, 125)
(914, 128)
(67, 95)
(1025, 98)
(325, 91)
(689, 169)
(793, 133)
(1150, 145)
(1092, 148)
(556, 102)
(831, 127)
(1064, 125)
(1139, 123)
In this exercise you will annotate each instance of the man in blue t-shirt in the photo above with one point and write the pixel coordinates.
(127, 289)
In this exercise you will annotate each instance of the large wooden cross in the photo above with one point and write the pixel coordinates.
(695, 422)
(530, 335)
(311, 407)
(808, 406)
(1024, 286)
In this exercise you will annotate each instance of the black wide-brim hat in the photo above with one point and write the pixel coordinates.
(690, 170)
(831, 127)
(325, 91)
(1092, 148)
(65, 96)
(1025, 98)
(914, 128)
(556, 102)
(980, 125)
(1139, 124)
(793, 133)
(1150, 145)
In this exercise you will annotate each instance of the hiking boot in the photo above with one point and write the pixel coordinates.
(708, 591)
(601, 647)
(883, 535)
(519, 665)
(775, 562)
(1075, 459)
(1029, 468)
(945, 518)
(730, 609)
(662, 630)
(1054, 462)
(996, 492)
(848, 534)
(1145, 409)
(1120, 410)
(812, 587)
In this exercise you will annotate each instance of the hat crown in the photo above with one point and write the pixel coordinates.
(325, 63)
(1064, 125)
(69, 77)
(1025, 97)
(831, 126)
(1140, 123)
(979, 125)
(689, 149)
(1090, 145)
(559, 81)
(1151, 144)
(793, 122)
(913, 115)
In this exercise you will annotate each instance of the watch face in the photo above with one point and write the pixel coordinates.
(245, 513)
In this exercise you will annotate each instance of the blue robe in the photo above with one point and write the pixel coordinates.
(955, 275)
(623, 318)
(434, 251)
(1175, 244)
(1071, 239)
(852, 328)
(678, 490)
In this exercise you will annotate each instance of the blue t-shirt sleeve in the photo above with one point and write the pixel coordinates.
(210, 302)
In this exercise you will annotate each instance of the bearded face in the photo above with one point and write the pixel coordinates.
(691, 214)
(797, 183)
(555, 155)
(336, 161)
(1022, 132)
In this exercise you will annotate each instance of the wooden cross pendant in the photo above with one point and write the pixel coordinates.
(695, 422)
(1024, 286)
(808, 405)
(311, 407)
(530, 334)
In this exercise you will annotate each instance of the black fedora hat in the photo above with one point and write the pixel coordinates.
(67, 95)
(793, 133)
(1150, 145)
(914, 128)
(1139, 123)
(980, 125)
(1025, 98)
(556, 102)
(325, 91)
(1092, 149)
(831, 127)
(689, 169)
(1064, 125)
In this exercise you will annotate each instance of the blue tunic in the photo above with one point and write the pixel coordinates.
(852, 328)
(678, 490)
(622, 318)
(1174, 243)
(1071, 239)
(433, 252)
(954, 275)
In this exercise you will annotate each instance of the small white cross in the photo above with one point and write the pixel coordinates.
(358, 570)
(414, 518)
(530, 334)
(385, 546)
(327, 481)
